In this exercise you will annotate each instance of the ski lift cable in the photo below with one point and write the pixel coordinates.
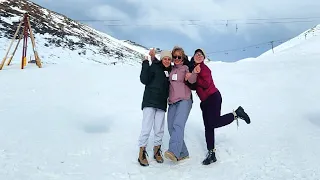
(197, 20)
(194, 22)
(243, 48)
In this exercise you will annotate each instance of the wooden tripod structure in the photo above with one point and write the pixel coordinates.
(25, 34)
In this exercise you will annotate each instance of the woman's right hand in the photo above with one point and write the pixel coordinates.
(152, 53)
(197, 69)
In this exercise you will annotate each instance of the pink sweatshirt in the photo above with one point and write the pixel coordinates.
(178, 89)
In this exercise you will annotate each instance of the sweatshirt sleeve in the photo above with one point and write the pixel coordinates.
(205, 77)
(193, 78)
(146, 74)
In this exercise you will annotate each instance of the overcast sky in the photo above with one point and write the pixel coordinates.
(165, 23)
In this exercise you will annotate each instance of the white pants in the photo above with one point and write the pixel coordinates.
(152, 117)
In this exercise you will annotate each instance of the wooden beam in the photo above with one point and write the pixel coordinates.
(14, 37)
(10, 59)
(36, 56)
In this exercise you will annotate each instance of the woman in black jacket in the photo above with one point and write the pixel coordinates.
(155, 77)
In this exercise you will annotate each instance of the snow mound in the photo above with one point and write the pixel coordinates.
(303, 37)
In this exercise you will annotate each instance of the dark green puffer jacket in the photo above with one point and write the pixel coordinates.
(156, 83)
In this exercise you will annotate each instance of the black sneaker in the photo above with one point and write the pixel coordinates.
(242, 115)
(211, 158)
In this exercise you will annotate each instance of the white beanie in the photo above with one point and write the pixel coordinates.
(165, 53)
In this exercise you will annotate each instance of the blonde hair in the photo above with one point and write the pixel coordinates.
(178, 48)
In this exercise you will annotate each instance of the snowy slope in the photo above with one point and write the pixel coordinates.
(139, 48)
(301, 38)
(56, 31)
(135, 46)
(82, 121)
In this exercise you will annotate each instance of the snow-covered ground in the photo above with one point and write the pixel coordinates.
(72, 121)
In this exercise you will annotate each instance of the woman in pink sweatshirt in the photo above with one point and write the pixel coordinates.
(211, 105)
(180, 104)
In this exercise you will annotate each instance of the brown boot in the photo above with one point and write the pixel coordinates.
(171, 156)
(142, 157)
(157, 154)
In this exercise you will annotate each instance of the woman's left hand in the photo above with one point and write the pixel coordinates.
(188, 75)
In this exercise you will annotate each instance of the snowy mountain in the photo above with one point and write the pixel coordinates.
(134, 44)
(306, 35)
(59, 38)
(82, 121)
(140, 48)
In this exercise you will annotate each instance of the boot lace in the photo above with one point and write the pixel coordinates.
(209, 153)
(159, 152)
(144, 154)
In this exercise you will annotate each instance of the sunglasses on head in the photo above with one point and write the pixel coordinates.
(177, 57)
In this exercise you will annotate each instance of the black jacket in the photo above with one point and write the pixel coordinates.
(156, 83)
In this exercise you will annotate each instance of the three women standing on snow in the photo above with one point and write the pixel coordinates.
(161, 79)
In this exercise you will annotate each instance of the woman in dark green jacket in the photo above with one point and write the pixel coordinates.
(155, 77)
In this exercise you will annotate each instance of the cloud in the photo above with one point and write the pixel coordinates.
(195, 19)
(110, 14)
(106, 12)
(211, 15)
(193, 24)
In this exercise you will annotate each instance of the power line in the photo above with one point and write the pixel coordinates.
(272, 42)
(242, 48)
(208, 24)
(252, 19)
(265, 19)
(216, 22)
(276, 22)
(195, 24)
